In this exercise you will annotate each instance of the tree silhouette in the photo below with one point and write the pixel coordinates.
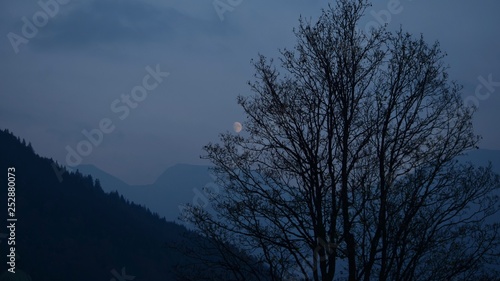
(348, 166)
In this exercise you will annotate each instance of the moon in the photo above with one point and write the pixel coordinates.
(237, 127)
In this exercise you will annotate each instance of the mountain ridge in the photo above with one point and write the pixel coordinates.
(179, 184)
(183, 183)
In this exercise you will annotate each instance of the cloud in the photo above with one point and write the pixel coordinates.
(113, 23)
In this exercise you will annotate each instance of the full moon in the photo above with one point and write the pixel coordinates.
(237, 127)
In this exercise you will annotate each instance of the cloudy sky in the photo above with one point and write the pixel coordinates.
(67, 66)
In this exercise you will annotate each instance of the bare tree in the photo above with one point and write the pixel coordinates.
(348, 165)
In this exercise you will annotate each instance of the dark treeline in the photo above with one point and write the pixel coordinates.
(72, 230)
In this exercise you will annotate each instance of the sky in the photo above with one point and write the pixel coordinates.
(139, 85)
